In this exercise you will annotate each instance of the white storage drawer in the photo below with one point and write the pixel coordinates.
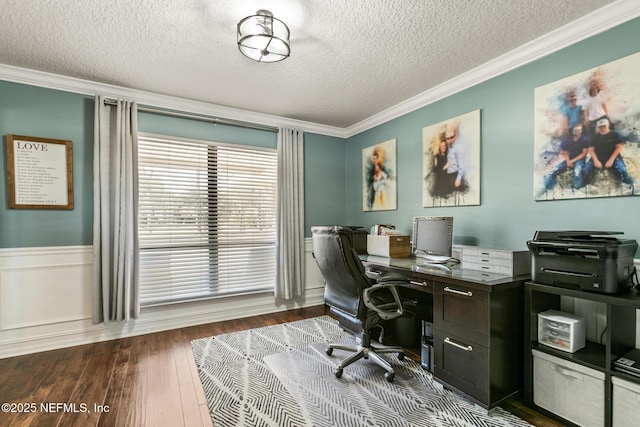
(497, 268)
(485, 253)
(499, 261)
(569, 390)
(562, 331)
(626, 403)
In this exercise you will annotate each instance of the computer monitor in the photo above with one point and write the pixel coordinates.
(432, 238)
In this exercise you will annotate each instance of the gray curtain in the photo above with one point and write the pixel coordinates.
(290, 219)
(115, 212)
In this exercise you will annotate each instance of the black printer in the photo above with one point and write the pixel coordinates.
(583, 260)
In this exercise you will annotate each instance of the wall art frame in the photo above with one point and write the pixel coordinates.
(451, 162)
(586, 133)
(39, 173)
(379, 177)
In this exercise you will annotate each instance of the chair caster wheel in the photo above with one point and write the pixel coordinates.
(401, 356)
(329, 351)
(389, 376)
(339, 373)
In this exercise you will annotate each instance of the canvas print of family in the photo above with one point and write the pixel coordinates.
(451, 162)
(587, 129)
(379, 177)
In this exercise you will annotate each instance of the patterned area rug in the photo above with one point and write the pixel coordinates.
(280, 376)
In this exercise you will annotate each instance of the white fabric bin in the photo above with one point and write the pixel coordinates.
(626, 403)
(569, 390)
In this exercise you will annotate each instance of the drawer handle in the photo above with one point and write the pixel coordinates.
(374, 272)
(460, 346)
(454, 291)
(413, 282)
(569, 373)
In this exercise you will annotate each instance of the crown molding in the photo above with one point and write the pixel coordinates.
(86, 87)
(594, 23)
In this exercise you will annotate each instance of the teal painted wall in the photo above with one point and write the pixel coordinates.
(508, 216)
(33, 111)
(324, 188)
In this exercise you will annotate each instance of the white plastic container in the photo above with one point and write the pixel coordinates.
(562, 331)
(569, 390)
(626, 403)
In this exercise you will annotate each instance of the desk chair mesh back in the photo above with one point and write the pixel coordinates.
(359, 303)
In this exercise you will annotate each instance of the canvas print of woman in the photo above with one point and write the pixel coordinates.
(379, 179)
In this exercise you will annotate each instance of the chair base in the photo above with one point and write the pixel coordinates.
(367, 351)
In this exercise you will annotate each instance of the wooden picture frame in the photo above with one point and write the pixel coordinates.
(39, 173)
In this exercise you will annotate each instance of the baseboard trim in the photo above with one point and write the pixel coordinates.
(87, 333)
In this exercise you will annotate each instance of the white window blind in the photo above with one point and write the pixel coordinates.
(207, 219)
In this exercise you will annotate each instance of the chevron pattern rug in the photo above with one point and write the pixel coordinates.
(280, 376)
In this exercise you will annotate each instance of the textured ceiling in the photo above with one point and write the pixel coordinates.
(350, 59)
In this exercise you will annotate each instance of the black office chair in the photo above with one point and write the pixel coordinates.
(359, 302)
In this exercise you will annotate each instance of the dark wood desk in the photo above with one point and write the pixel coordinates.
(477, 326)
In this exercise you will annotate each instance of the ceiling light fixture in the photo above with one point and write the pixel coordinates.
(263, 38)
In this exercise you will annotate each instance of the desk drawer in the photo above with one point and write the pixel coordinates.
(462, 311)
(462, 364)
(418, 281)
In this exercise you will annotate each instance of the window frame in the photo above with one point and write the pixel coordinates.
(213, 206)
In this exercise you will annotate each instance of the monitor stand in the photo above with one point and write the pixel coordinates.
(434, 261)
(436, 266)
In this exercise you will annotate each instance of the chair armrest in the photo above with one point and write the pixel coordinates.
(388, 277)
(391, 286)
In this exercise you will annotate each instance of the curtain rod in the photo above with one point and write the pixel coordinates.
(202, 117)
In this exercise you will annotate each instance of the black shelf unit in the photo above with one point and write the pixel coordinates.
(618, 338)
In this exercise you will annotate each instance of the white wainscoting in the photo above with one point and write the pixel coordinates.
(46, 302)
(44, 286)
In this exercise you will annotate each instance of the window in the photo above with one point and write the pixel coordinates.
(207, 219)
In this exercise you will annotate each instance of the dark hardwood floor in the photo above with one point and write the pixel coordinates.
(147, 380)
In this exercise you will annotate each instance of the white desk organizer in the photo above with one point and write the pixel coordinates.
(562, 331)
(498, 261)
